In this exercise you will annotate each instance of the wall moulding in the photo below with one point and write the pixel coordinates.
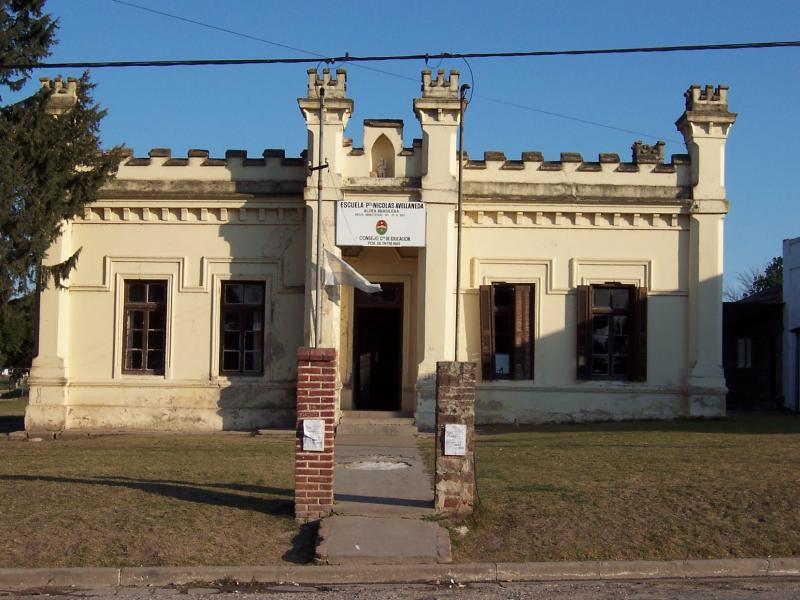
(485, 270)
(580, 271)
(112, 265)
(180, 214)
(576, 219)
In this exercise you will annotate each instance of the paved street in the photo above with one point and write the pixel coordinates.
(711, 589)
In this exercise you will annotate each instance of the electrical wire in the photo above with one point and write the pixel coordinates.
(348, 58)
(442, 56)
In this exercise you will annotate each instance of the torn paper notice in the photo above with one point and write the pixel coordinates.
(313, 435)
(455, 439)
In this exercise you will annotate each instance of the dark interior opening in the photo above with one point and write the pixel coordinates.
(378, 348)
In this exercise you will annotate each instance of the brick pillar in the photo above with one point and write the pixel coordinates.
(455, 404)
(316, 399)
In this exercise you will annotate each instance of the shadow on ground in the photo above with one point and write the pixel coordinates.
(187, 491)
(9, 424)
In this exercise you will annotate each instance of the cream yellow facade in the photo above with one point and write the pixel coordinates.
(551, 228)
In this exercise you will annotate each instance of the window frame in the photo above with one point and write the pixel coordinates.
(243, 309)
(522, 310)
(744, 352)
(637, 345)
(148, 307)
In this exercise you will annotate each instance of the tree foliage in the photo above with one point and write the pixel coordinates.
(755, 281)
(26, 34)
(17, 329)
(51, 167)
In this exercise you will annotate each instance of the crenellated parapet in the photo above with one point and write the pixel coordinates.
(647, 168)
(335, 87)
(63, 95)
(440, 87)
(707, 99)
(160, 165)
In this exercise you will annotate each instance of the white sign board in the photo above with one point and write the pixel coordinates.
(313, 435)
(455, 439)
(366, 223)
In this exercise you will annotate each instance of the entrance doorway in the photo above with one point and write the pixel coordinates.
(378, 348)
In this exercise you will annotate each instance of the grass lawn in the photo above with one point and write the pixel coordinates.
(651, 490)
(13, 407)
(149, 500)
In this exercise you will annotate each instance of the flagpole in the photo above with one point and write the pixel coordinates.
(462, 95)
(318, 290)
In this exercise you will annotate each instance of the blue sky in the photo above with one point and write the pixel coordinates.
(254, 107)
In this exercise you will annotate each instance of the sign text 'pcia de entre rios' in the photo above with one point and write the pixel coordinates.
(364, 223)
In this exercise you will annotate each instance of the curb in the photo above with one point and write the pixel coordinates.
(377, 574)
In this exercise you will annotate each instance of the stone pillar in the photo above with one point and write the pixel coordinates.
(455, 404)
(49, 372)
(316, 399)
(705, 126)
(438, 113)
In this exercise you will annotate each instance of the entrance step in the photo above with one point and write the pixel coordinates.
(381, 541)
(379, 423)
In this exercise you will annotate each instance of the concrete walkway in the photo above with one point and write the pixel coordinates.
(381, 494)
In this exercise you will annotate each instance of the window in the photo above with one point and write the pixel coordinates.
(242, 337)
(145, 327)
(612, 338)
(744, 353)
(506, 331)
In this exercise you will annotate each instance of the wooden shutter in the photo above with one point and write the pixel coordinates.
(523, 331)
(584, 330)
(487, 332)
(639, 349)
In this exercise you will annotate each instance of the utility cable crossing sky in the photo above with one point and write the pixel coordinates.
(347, 58)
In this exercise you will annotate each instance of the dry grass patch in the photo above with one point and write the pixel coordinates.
(653, 490)
(148, 500)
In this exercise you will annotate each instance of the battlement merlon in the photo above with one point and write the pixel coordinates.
(63, 97)
(707, 98)
(338, 107)
(705, 125)
(441, 87)
(335, 87)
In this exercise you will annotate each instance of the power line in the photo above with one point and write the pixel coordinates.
(348, 58)
(389, 73)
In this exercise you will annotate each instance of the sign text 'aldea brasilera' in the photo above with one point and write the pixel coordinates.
(363, 223)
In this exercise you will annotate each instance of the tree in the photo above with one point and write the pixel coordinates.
(755, 281)
(50, 166)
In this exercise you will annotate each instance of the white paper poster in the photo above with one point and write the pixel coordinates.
(455, 439)
(313, 435)
(364, 223)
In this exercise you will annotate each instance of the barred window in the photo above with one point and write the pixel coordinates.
(612, 332)
(242, 335)
(145, 327)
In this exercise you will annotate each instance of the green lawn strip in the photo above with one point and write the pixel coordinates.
(650, 490)
(148, 500)
(13, 407)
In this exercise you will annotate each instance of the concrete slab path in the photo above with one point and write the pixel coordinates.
(381, 494)
(381, 476)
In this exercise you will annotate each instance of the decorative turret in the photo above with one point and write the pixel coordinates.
(338, 108)
(63, 97)
(438, 113)
(705, 125)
